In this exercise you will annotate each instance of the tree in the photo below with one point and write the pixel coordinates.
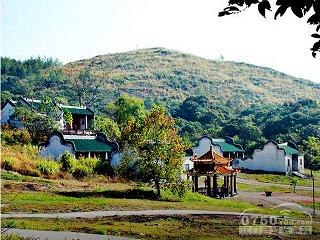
(67, 116)
(38, 126)
(85, 85)
(311, 147)
(158, 150)
(299, 8)
(107, 126)
(126, 109)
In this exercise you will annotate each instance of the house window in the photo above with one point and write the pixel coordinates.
(288, 162)
(300, 161)
(186, 167)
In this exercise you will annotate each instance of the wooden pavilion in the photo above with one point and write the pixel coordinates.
(211, 165)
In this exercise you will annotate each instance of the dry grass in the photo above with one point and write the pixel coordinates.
(21, 159)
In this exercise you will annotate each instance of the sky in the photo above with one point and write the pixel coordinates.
(76, 29)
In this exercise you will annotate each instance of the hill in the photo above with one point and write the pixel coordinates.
(166, 74)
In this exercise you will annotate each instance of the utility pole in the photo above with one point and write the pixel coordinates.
(313, 199)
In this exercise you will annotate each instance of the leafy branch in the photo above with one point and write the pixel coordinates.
(299, 8)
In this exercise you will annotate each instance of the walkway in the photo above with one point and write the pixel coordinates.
(53, 235)
(97, 214)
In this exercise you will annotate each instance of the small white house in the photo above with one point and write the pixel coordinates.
(274, 157)
(83, 117)
(78, 145)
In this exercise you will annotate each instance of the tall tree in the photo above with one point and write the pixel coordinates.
(85, 84)
(158, 149)
(311, 146)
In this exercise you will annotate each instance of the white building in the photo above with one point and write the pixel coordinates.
(274, 157)
(79, 145)
(83, 117)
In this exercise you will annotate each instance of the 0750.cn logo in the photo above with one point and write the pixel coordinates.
(286, 223)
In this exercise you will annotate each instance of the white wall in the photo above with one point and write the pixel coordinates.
(6, 112)
(204, 146)
(55, 148)
(270, 158)
(301, 166)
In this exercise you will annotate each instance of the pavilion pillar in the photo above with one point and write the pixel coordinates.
(235, 184)
(89, 155)
(231, 185)
(86, 122)
(228, 186)
(215, 185)
(208, 185)
(196, 186)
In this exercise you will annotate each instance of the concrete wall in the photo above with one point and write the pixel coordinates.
(204, 146)
(6, 112)
(55, 148)
(269, 158)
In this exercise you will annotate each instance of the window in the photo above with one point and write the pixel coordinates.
(288, 162)
(300, 161)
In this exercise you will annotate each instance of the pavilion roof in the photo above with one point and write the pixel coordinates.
(211, 156)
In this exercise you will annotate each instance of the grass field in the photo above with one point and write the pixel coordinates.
(37, 195)
(150, 227)
(281, 179)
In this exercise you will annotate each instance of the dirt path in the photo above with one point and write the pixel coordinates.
(253, 182)
(54, 235)
(97, 214)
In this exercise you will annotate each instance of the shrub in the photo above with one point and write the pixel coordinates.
(68, 162)
(81, 171)
(88, 162)
(180, 187)
(15, 136)
(48, 167)
(7, 163)
(104, 167)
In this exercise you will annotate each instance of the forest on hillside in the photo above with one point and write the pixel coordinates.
(196, 114)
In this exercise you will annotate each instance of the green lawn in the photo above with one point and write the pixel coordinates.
(257, 188)
(151, 227)
(281, 179)
(52, 202)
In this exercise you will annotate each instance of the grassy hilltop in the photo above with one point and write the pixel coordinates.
(162, 73)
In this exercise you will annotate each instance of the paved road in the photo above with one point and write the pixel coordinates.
(97, 214)
(53, 235)
(253, 182)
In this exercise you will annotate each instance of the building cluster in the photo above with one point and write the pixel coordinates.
(207, 162)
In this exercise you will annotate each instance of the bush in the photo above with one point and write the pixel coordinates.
(81, 171)
(104, 167)
(15, 136)
(68, 162)
(180, 187)
(48, 167)
(88, 162)
(7, 163)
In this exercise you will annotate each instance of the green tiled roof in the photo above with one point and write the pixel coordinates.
(81, 111)
(90, 145)
(289, 150)
(226, 147)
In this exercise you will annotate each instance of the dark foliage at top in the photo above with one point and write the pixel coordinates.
(299, 8)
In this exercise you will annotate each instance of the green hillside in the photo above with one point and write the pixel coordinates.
(163, 73)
